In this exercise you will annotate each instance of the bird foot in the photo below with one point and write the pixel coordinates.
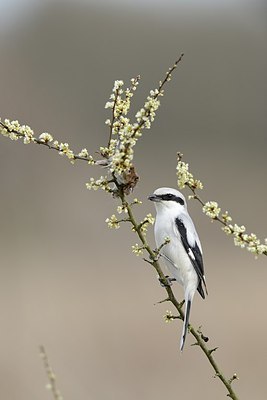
(167, 279)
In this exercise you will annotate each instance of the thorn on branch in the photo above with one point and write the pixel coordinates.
(181, 304)
(212, 350)
(162, 301)
(148, 261)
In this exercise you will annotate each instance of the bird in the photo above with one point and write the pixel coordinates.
(182, 252)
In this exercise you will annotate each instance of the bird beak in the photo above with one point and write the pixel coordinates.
(153, 197)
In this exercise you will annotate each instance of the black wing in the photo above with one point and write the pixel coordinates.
(195, 256)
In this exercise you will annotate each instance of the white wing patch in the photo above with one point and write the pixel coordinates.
(191, 254)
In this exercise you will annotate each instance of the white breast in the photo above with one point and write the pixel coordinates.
(174, 254)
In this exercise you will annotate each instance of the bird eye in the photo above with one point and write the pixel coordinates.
(172, 197)
(168, 196)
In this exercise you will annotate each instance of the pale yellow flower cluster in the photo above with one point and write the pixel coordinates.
(121, 209)
(184, 177)
(149, 220)
(241, 239)
(124, 134)
(168, 317)
(64, 149)
(211, 209)
(226, 217)
(113, 222)
(143, 226)
(136, 201)
(244, 240)
(84, 153)
(46, 137)
(137, 249)
(101, 183)
(15, 131)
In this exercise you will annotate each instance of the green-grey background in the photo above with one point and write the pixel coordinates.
(68, 282)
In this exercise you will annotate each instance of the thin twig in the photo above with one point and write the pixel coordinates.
(38, 141)
(51, 376)
(168, 74)
(212, 210)
(216, 218)
(158, 92)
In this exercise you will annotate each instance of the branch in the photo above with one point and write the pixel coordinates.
(213, 211)
(51, 376)
(198, 335)
(15, 131)
(155, 94)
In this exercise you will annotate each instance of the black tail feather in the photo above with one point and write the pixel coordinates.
(186, 323)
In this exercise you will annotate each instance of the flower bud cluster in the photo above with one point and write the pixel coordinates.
(143, 226)
(244, 240)
(149, 220)
(211, 209)
(137, 249)
(113, 222)
(168, 317)
(15, 131)
(124, 134)
(241, 238)
(101, 183)
(46, 137)
(184, 177)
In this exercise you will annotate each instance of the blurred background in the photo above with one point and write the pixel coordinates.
(70, 283)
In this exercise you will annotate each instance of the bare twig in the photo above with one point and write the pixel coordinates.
(50, 375)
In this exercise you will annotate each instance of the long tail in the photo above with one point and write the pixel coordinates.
(188, 303)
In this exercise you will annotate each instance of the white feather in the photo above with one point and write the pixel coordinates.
(176, 257)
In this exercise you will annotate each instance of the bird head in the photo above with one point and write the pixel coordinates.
(168, 198)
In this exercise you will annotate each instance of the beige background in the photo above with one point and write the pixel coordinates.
(68, 282)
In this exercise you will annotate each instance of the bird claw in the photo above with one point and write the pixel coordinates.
(166, 279)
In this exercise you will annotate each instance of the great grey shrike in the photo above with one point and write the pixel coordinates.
(183, 253)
